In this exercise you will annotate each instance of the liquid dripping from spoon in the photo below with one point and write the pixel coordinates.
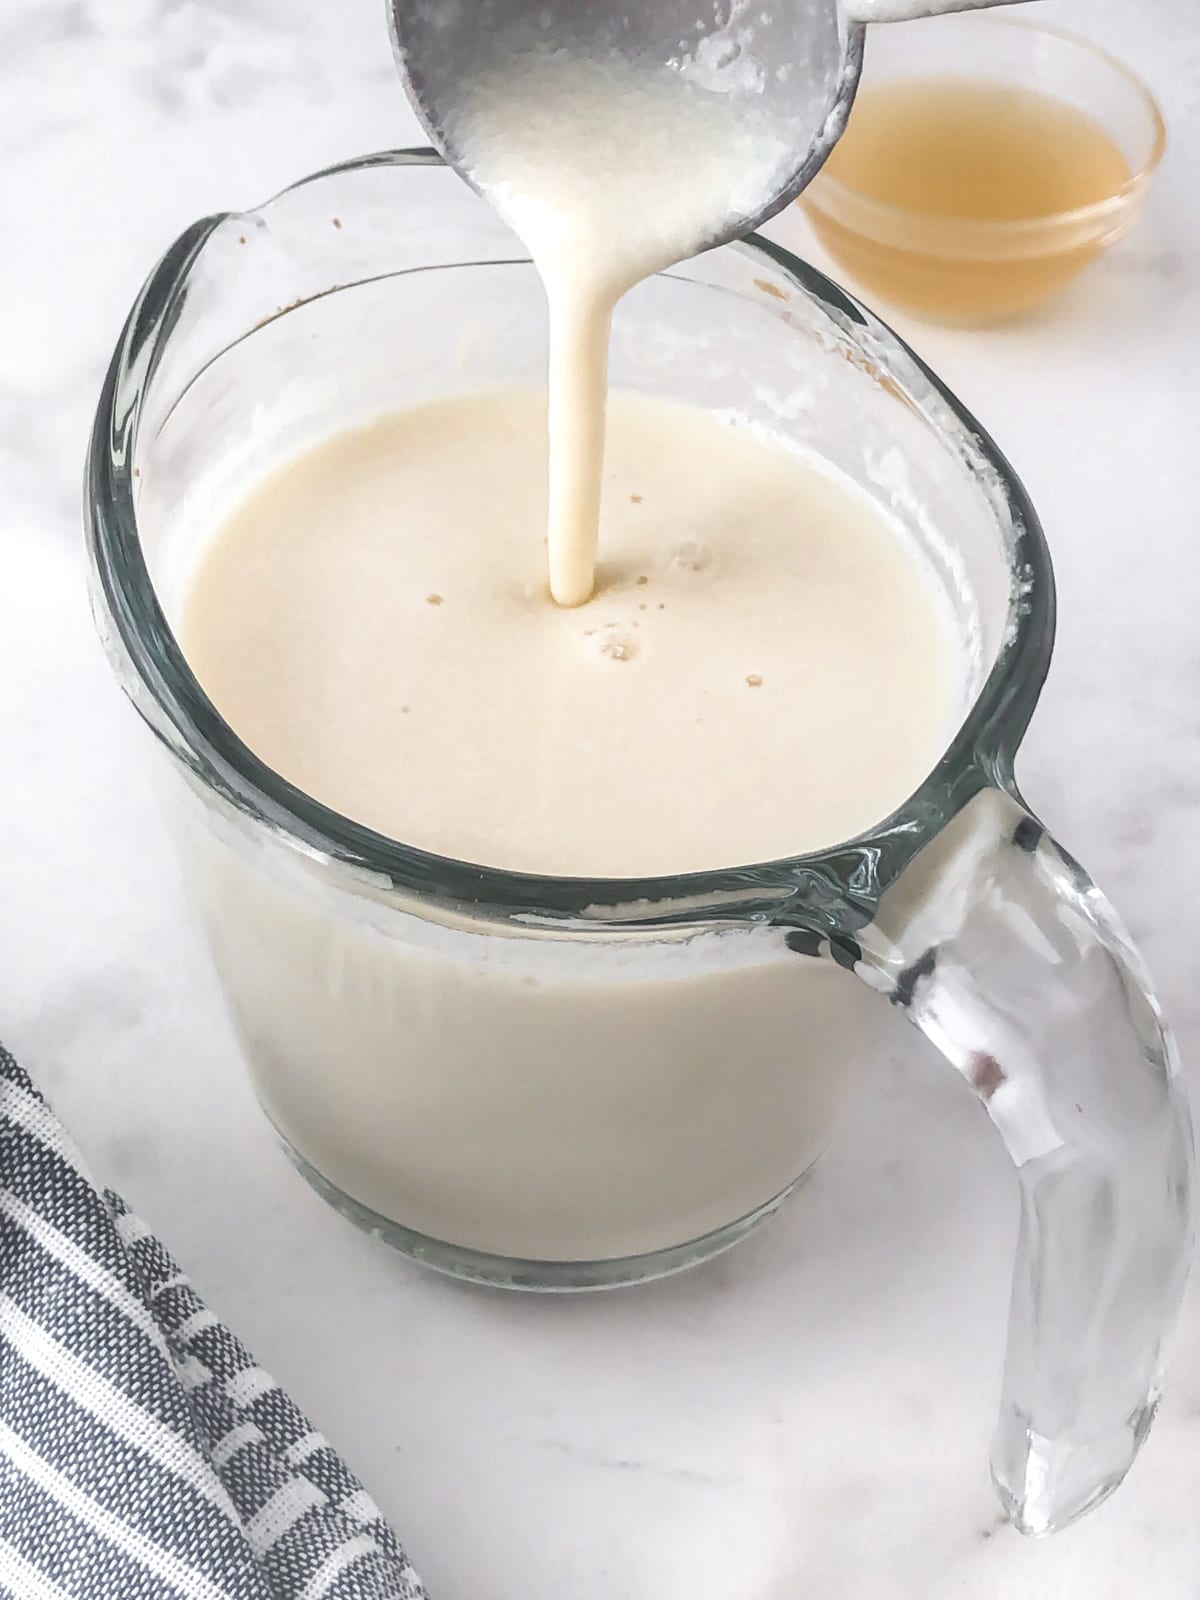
(608, 172)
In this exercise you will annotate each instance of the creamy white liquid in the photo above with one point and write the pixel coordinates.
(765, 668)
(608, 173)
(374, 622)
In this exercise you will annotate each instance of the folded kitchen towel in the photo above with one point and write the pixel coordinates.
(143, 1453)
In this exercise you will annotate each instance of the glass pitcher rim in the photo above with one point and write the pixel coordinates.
(818, 886)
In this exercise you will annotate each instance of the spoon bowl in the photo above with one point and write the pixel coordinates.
(792, 65)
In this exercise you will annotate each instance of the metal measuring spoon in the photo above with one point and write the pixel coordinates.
(796, 63)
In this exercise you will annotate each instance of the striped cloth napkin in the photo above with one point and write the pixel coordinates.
(143, 1453)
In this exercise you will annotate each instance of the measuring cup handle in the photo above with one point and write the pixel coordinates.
(1002, 951)
(908, 10)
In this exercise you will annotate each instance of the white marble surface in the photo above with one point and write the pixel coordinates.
(810, 1415)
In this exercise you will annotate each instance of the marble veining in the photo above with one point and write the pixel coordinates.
(808, 1416)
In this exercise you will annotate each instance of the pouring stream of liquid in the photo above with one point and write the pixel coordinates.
(608, 175)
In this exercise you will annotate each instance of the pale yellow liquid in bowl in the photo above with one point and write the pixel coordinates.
(937, 152)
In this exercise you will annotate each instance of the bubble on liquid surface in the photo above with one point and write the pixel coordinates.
(618, 645)
(689, 555)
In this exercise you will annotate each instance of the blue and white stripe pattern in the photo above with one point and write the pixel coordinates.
(143, 1453)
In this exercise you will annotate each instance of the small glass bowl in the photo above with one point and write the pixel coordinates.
(964, 270)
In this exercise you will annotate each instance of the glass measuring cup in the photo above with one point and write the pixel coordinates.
(556, 1083)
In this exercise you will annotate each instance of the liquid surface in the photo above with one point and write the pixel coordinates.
(607, 174)
(765, 668)
(982, 150)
